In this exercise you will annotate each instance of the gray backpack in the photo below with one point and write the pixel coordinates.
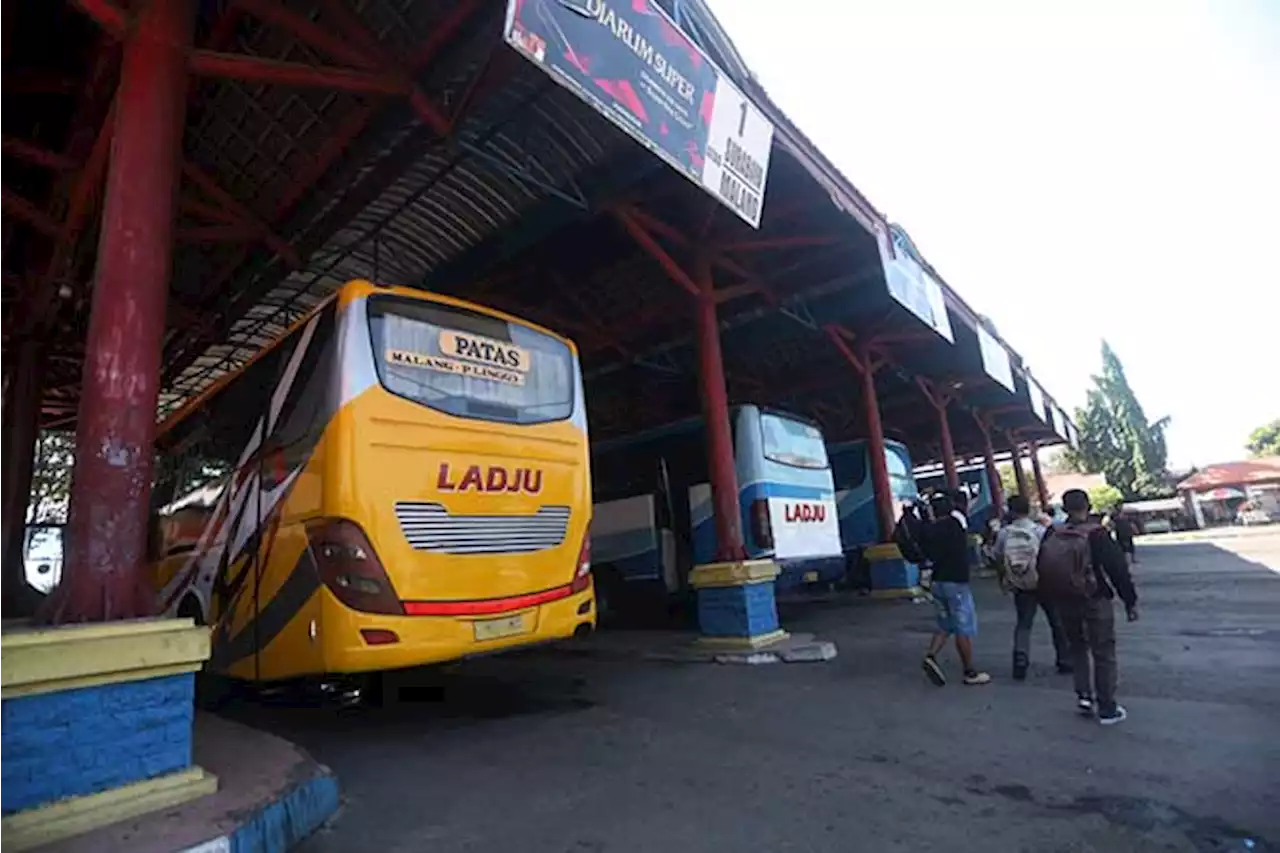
(1021, 548)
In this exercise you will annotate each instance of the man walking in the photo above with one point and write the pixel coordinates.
(1017, 547)
(946, 544)
(1081, 570)
(1124, 533)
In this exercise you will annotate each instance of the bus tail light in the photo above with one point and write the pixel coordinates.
(582, 575)
(349, 567)
(761, 529)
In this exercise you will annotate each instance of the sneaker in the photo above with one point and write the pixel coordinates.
(1065, 669)
(934, 672)
(1113, 715)
(972, 677)
(1084, 705)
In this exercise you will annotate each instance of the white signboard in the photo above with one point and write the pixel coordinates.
(634, 66)
(1037, 399)
(916, 290)
(995, 359)
(1059, 422)
(804, 528)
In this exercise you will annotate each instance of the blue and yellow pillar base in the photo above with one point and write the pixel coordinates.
(97, 725)
(737, 610)
(892, 576)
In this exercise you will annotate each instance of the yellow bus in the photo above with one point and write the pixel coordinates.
(400, 479)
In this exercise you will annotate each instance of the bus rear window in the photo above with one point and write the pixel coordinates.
(793, 442)
(470, 364)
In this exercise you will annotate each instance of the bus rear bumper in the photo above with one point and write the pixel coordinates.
(370, 642)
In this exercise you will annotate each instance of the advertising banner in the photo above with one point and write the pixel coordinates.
(1037, 399)
(995, 359)
(913, 287)
(632, 64)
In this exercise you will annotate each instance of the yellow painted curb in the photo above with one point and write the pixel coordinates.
(883, 551)
(739, 573)
(44, 660)
(77, 815)
(906, 592)
(743, 644)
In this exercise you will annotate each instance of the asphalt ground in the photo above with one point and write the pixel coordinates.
(568, 750)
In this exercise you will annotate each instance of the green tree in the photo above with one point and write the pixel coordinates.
(1104, 498)
(1007, 478)
(51, 477)
(1265, 440)
(1115, 437)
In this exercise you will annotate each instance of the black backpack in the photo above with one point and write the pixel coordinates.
(906, 536)
(1065, 563)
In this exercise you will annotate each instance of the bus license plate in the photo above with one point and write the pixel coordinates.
(493, 629)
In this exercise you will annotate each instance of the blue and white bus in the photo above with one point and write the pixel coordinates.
(855, 492)
(653, 518)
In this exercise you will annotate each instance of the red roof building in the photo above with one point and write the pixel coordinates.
(1250, 472)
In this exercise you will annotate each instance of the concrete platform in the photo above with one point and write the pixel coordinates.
(271, 795)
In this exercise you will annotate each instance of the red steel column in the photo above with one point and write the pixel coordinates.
(116, 425)
(21, 429)
(715, 409)
(875, 444)
(948, 448)
(1020, 475)
(993, 473)
(1041, 489)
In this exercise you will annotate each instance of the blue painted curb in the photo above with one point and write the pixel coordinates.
(285, 821)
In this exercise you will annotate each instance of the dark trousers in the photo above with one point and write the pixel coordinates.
(1091, 632)
(1026, 604)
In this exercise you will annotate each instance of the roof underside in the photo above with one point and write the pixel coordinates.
(516, 195)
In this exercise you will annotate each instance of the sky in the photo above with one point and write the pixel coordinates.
(1075, 170)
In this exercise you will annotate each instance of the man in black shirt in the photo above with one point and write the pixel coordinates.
(1089, 623)
(945, 543)
(1124, 533)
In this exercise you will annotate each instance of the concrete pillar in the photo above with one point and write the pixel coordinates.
(105, 577)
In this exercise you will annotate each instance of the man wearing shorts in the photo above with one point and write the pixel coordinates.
(946, 544)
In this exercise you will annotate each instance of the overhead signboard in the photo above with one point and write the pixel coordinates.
(1037, 399)
(632, 63)
(995, 358)
(913, 286)
(1059, 422)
